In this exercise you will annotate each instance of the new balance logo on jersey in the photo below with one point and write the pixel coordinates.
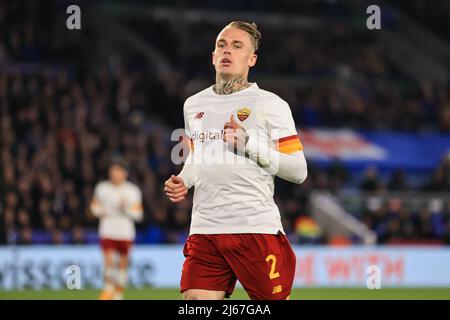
(199, 115)
(277, 289)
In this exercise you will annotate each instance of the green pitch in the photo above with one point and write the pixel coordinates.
(297, 294)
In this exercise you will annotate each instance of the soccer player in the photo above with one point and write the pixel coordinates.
(236, 231)
(118, 204)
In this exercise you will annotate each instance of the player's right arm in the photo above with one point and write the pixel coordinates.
(96, 206)
(176, 187)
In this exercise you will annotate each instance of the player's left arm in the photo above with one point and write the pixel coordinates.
(287, 159)
(290, 166)
(133, 207)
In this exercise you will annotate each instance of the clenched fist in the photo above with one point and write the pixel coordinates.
(235, 135)
(175, 189)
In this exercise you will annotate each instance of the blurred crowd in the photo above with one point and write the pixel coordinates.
(345, 78)
(394, 220)
(431, 14)
(396, 223)
(57, 137)
(62, 119)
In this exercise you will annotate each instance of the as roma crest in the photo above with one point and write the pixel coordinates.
(243, 114)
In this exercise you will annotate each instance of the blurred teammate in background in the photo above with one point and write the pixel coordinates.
(118, 204)
(236, 231)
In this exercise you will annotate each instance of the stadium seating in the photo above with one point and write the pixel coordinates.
(65, 111)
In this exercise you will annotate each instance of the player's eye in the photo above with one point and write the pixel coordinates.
(220, 45)
(237, 46)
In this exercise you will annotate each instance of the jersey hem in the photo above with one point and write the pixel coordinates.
(236, 230)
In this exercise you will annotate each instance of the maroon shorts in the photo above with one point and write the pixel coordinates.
(264, 264)
(121, 246)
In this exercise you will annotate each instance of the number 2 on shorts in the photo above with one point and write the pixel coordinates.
(272, 273)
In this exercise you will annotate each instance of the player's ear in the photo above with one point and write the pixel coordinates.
(212, 57)
(252, 60)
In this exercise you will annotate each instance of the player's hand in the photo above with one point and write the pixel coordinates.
(175, 189)
(235, 135)
(123, 207)
(97, 209)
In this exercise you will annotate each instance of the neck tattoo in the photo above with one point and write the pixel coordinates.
(230, 86)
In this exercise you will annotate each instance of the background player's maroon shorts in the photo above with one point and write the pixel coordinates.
(121, 246)
(263, 263)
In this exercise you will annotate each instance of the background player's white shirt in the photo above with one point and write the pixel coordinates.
(230, 197)
(115, 224)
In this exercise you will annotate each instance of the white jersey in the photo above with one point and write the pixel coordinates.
(236, 197)
(115, 222)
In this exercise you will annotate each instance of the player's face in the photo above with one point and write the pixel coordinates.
(117, 174)
(234, 53)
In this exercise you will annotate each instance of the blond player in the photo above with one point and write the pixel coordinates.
(241, 137)
(118, 204)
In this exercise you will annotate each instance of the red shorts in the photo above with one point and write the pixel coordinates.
(121, 246)
(263, 263)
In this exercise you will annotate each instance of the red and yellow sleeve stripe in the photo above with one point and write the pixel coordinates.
(289, 144)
